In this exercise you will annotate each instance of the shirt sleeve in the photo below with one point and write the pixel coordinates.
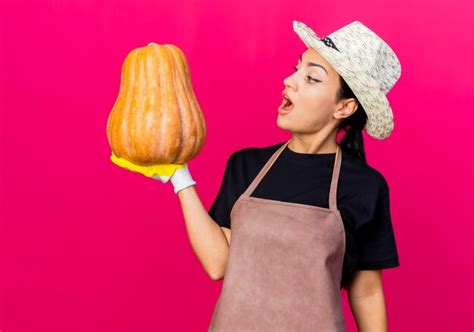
(376, 246)
(220, 209)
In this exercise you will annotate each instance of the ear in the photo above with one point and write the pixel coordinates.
(346, 108)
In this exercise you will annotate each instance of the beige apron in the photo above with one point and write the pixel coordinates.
(285, 264)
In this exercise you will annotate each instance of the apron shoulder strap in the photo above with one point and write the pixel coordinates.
(335, 179)
(263, 171)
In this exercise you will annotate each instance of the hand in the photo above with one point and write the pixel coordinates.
(178, 173)
(161, 172)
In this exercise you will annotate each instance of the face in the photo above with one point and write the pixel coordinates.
(312, 88)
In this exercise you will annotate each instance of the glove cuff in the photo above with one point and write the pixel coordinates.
(181, 179)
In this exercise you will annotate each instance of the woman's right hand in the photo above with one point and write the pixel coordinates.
(178, 174)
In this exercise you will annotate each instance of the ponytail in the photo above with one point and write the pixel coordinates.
(352, 126)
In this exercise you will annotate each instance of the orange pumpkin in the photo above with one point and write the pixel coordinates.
(156, 118)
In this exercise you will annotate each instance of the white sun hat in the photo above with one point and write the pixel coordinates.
(368, 65)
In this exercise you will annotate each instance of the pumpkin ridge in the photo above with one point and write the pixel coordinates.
(178, 102)
(188, 131)
(149, 110)
(161, 131)
(141, 111)
(189, 97)
(172, 112)
(112, 123)
(158, 148)
(131, 137)
(110, 119)
(196, 109)
(123, 129)
(135, 139)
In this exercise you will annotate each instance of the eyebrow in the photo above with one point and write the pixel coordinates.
(312, 64)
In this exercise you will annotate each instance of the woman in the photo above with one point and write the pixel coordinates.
(308, 216)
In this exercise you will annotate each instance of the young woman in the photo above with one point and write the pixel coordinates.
(297, 221)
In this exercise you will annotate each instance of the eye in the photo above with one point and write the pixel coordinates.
(312, 79)
(309, 77)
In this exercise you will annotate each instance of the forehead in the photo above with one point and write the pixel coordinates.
(311, 55)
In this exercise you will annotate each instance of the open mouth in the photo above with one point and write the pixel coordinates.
(286, 105)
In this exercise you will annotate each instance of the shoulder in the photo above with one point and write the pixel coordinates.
(365, 177)
(363, 193)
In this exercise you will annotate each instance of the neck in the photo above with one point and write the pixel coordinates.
(315, 143)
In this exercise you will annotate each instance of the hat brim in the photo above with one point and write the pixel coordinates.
(379, 113)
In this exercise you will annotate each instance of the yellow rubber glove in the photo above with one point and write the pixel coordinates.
(159, 172)
(177, 174)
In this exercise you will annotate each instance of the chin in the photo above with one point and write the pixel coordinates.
(282, 123)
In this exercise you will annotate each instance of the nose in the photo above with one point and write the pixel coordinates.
(290, 82)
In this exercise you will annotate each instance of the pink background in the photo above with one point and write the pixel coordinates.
(86, 245)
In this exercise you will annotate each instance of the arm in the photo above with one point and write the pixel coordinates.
(209, 241)
(366, 299)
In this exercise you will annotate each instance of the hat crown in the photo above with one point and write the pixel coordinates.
(369, 53)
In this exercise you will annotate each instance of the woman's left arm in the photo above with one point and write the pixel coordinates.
(366, 299)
